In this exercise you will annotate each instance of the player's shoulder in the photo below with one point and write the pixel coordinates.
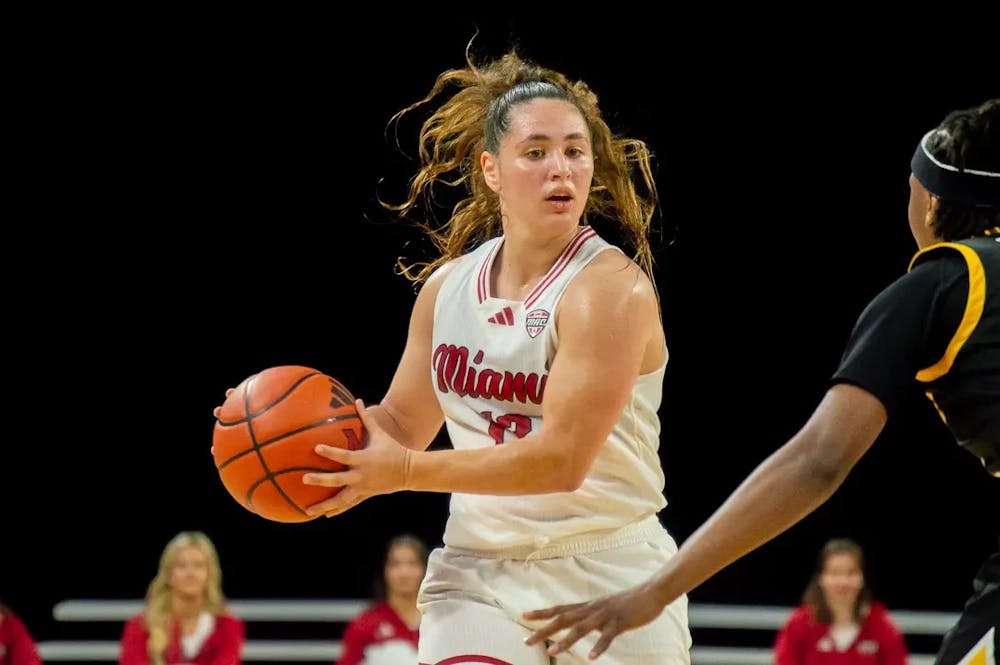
(613, 276)
(441, 272)
(959, 253)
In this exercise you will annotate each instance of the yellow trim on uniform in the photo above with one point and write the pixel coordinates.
(982, 651)
(973, 310)
(937, 408)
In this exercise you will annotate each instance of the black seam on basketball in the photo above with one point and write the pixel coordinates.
(258, 445)
(340, 393)
(247, 416)
(253, 440)
(269, 478)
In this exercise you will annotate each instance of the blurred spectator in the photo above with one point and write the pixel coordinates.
(184, 621)
(838, 622)
(387, 632)
(17, 646)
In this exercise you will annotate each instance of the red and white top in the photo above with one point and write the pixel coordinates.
(378, 636)
(489, 367)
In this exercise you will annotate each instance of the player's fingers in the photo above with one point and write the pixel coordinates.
(336, 479)
(565, 617)
(346, 498)
(573, 636)
(604, 641)
(370, 425)
(336, 454)
(549, 612)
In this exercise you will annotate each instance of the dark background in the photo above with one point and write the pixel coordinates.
(199, 204)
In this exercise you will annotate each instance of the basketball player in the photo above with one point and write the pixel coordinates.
(938, 324)
(542, 351)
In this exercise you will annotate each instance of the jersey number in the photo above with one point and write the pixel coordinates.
(508, 422)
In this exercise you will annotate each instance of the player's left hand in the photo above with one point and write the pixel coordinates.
(377, 468)
(609, 615)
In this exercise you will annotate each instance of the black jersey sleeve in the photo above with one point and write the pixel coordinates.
(905, 328)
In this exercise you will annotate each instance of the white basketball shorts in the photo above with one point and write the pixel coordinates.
(472, 601)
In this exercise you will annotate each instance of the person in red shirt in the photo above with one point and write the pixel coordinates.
(838, 622)
(184, 621)
(387, 632)
(17, 646)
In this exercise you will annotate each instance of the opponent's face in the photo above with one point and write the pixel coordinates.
(189, 572)
(920, 210)
(404, 570)
(841, 578)
(545, 166)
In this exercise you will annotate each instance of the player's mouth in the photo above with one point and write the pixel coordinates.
(560, 202)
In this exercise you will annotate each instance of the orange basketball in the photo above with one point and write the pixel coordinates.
(266, 434)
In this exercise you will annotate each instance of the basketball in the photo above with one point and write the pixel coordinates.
(266, 434)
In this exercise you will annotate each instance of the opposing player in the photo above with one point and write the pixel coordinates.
(939, 326)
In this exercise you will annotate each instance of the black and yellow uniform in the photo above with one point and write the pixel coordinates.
(939, 326)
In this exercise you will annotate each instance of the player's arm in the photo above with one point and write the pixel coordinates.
(605, 321)
(788, 485)
(791, 483)
(410, 412)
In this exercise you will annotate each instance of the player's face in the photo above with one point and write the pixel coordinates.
(920, 205)
(189, 572)
(404, 570)
(841, 578)
(545, 166)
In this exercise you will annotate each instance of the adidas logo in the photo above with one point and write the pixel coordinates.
(504, 317)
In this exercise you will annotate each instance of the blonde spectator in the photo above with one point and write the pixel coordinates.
(184, 621)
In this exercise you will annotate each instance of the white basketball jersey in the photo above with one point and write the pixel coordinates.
(490, 364)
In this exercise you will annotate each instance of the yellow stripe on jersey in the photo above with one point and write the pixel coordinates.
(973, 310)
(982, 652)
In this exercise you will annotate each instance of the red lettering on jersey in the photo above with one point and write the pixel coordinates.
(519, 424)
(456, 374)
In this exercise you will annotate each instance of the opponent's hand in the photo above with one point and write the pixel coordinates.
(378, 468)
(609, 615)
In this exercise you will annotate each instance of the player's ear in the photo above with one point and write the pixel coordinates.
(932, 206)
(489, 165)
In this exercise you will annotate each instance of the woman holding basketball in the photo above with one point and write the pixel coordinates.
(542, 351)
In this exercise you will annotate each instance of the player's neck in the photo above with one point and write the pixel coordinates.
(523, 262)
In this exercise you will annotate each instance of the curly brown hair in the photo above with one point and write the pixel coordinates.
(475, 117)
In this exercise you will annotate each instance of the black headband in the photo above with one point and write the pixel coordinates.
(968, 186)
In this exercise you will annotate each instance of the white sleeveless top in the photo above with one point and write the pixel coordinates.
(489, 367)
